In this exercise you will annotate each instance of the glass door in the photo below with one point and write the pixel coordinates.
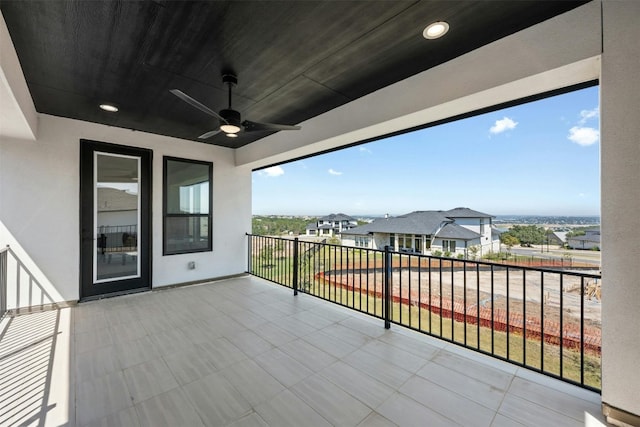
(114, 219)
(116, 212)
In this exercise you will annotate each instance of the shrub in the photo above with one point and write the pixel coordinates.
(437, 253)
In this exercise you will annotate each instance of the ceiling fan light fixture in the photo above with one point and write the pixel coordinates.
(109, 107)
(229, 129)
(435, 30)
(232, 135)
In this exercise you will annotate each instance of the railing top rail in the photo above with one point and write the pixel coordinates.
(5, 249)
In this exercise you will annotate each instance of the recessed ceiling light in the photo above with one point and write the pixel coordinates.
(435, 30)
(109, 107)
(232, 135)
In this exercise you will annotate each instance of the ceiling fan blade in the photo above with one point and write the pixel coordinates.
(189, 100)
(209, 134)
(250, 126)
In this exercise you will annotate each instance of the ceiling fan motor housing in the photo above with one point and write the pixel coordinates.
(232, 117)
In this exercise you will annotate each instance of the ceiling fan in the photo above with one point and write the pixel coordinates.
(230, 120)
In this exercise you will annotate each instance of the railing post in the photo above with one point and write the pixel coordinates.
(249, 250)
(295, 266)
(387, 287)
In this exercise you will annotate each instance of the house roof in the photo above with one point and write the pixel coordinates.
(560, 235)
(455, 231)
(436, 223)
(337, 217)
(294, 59)
(466, 213)
(418, 222)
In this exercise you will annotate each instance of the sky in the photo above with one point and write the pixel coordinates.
(539, 158)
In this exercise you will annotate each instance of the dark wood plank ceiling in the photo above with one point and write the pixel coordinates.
(294, 59)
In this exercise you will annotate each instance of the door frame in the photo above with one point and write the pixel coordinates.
(89, 289)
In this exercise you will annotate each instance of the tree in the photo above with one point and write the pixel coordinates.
(527, 235)
(473, 251)
(334, 240)
(509, 240)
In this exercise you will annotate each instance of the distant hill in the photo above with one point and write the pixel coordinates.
(567, 221)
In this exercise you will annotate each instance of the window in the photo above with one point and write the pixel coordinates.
(449, 245)
(392, 241)
(405, 241)
(187, 206)
(482, 226)
(362, 241)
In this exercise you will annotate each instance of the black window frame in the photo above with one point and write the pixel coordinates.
(166, 215)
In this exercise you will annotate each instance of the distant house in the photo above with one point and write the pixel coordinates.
(557, 238)
(331, 225)
(590, 240)
(453, 231)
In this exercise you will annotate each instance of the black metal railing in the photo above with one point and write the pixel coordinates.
(3, 280)
(543, 319)
(117, 238)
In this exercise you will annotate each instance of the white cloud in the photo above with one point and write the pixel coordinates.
(365, 150)
(584, 136)
(502, 125)
(334, 172)
(589, 114)
(273, 171)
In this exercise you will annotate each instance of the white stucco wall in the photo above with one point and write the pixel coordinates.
(39, 208)
(620, 182)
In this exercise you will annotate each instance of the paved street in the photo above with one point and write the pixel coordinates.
(554, 252)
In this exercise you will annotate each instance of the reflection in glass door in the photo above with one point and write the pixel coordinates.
(116, 217)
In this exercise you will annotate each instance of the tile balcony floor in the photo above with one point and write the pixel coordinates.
(246, 352)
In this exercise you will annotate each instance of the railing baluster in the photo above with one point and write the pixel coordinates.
(440, 292)
(561, 324)
(295, 266)
(508, 314)
(368, 279)
(420, 293)
(542, 302)
(524, 317)
(452, 300)
(464, 300)
(582, 330)
(409, 304)
(478, 307)
(430, 300)
(400, 288)
(387, 287)
(493, 329)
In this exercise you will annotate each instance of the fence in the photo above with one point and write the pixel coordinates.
(547, 320)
